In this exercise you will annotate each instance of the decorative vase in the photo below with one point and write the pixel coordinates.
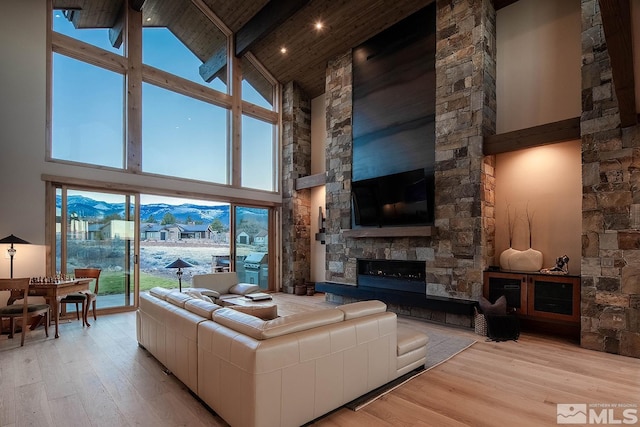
(527, 261)
(504, 258)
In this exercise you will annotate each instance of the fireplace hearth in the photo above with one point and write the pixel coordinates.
(405, 276)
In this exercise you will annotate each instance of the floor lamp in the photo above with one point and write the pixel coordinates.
(13, 240)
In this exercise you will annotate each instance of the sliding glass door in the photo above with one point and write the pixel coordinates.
(135, 238)
(252, 245)
(97, 230)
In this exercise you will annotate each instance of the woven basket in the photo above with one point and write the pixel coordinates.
(480, 323)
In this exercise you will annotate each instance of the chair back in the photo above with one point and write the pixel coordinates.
(19, 289)
(90, 273)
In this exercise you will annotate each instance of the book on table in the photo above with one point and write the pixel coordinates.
(258, 296)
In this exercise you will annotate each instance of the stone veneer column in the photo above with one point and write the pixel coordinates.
(296, 205)
(611, 189)
(339, 147)
(465, 113)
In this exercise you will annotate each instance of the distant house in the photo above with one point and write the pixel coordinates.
(151, 231)
(243, 238)
(95, 231)
(261, 238)
(194, 231)
(188, 232)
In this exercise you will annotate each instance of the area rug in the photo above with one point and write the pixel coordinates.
(440, 348)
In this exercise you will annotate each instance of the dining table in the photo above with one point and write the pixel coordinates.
(53, 291)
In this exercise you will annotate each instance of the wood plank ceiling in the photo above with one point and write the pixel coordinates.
(345, 25)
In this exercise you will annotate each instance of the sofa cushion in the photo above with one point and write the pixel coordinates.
(265, 329)
(262, 311)
(201, 307)
(362, 308)
(177, 298)
(160, 292)
(203, 291)
(243, 289)
(220, 282)
(197, 295)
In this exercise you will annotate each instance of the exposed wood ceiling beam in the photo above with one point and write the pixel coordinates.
(136, 5)
(266, 20)
(616, 21)
(116, 32)
(499, 4)
(214, 66)
(564, 130)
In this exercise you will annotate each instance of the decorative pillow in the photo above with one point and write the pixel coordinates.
(195, 294)
(497, 308)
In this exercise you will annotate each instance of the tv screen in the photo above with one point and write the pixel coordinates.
(404, 198)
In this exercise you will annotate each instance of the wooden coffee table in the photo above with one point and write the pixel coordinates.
(265, 309)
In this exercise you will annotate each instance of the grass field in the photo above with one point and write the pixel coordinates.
(113, 282)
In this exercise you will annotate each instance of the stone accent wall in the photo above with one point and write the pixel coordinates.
(296, 205)
(465, 112)
(342, 252)
(339, 147)
(611, 183)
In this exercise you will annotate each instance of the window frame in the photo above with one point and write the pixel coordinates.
(135, 72)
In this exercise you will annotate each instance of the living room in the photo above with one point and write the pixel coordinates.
(584, 212)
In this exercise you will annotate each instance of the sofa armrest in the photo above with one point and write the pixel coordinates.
(243, 289)
(362, 308)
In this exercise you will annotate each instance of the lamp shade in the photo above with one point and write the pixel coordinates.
(179, 264)
(14, 239)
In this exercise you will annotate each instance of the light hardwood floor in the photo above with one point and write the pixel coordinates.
(98, 376)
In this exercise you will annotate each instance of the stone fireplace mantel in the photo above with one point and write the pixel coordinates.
(416, 231)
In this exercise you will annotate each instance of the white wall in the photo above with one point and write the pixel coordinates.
(318, 145)
(22, 132)
(23, 91)
(549, 180)
(539, 54)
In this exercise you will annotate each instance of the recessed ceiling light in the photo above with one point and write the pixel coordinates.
(283, 50)
(319, 25)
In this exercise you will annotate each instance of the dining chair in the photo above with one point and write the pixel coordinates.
(77, 298)
(19, 289)
(91, 273)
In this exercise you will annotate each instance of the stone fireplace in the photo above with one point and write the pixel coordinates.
(404, 276)
(462, 245)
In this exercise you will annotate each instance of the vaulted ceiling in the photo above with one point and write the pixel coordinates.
(262, 27)
(265, 27)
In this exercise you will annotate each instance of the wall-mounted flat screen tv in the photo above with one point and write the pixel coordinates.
(399, 199)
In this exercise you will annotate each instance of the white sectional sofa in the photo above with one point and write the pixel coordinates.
(281, 372)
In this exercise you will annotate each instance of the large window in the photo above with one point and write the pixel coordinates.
(142, 94)
(182, 136)
(88, 118)
(258, 139)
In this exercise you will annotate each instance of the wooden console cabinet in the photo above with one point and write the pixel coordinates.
(537, 296)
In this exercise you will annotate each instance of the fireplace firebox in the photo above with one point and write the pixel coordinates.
(406, 276)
